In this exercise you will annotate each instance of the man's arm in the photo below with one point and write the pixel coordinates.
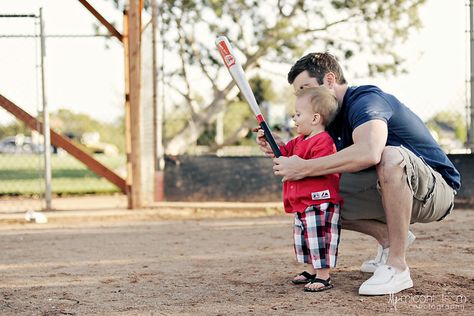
(369, 142)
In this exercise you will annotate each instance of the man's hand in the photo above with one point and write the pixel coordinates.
(263, 144)
(291, 168)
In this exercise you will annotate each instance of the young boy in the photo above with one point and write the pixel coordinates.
(315, 201)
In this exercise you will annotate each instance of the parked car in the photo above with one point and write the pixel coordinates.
(20, 144)
(91, 140)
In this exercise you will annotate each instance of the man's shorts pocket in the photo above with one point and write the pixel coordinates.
(433, 198)
(419, 176)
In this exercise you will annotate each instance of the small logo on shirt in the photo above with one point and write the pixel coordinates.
(321, 195)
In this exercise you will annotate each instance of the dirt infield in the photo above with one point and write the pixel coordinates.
(230, 266)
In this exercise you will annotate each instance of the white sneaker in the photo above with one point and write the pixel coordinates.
(382, 255)
(380, 258)
(386, 280)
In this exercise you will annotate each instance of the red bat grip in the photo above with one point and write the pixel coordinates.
(270, 139)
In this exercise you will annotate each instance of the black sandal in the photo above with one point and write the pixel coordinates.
(327, 285)
(308, 278)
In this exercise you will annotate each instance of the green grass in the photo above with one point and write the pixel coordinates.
(23, 175)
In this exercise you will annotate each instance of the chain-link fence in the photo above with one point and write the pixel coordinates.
(22, 184)
(22, 166)
(21, 158)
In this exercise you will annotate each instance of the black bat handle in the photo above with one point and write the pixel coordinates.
(270, 139)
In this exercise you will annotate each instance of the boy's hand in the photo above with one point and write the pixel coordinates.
(263, 144)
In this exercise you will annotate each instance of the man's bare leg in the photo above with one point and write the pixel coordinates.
(397, 201)
(370, 227)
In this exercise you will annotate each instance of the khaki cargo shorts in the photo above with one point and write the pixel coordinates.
(433, 198)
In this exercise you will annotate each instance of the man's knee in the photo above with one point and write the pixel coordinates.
(390, 166)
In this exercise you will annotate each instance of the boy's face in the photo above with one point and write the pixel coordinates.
(305, 118)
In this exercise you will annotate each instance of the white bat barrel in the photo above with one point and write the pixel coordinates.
(237, 72)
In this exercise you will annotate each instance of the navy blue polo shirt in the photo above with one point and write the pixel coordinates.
(366, 103)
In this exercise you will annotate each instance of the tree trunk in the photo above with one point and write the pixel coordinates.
(191, 132)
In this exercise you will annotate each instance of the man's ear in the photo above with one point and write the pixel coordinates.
(330, 79)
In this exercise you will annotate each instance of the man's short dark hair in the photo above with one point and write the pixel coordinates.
(317, 65)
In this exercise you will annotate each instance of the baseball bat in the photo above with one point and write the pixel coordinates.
(237, 73)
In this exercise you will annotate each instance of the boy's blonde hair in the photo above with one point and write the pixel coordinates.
(322, 101)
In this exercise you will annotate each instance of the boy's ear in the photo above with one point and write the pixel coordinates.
(316, 118)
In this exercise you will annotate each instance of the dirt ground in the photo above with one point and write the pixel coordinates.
(225, 266)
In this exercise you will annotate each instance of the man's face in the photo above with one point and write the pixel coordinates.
(303, 80)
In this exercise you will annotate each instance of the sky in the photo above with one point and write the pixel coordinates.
(81, 73)
(437, 59)
(86, 74)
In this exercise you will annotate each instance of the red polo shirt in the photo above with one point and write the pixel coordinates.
(298, 195)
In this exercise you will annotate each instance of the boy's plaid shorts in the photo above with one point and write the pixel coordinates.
(316, 234)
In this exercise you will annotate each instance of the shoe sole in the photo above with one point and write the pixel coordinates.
(405, 285)
(301, 281)
(369, 270)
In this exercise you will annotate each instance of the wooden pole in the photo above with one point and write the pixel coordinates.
(132, 43)
(131, 39)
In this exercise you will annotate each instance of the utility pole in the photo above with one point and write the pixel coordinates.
(470, 132)
(46, 132)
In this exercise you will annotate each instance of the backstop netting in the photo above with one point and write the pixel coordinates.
(147, 116)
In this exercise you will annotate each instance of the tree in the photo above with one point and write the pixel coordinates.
(262, 89)
(447, 122)
(75, 125)
(238, 118)
(269, 32)
(14, 128)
